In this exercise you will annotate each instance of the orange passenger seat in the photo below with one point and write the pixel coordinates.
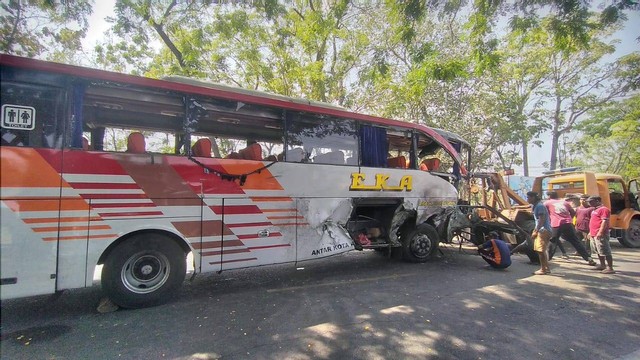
(136, 143)
(252, 152)
(430, 164)
(202, 148)
(397, 162)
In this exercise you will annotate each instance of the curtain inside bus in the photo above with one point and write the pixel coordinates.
(373, 145)
(77, 122)
(456, 166)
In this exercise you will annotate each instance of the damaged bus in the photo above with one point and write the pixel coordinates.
(132, 173)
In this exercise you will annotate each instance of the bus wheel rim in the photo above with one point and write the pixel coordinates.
(144, 273)
(421, 245)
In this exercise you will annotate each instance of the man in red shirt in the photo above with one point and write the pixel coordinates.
(599, 233)
(561, 216)
(583, 215)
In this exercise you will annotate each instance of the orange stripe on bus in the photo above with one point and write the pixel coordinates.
(25, 168)
(62, 219)
(262, 180)
(47, 205)
(80, 237)
(71, 228)
(278, 210)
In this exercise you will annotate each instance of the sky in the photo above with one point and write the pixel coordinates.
(537, 155)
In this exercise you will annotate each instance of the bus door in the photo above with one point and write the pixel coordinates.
(32, 134)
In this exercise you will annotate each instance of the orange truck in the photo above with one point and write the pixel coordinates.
(619, 196)
(499, 208)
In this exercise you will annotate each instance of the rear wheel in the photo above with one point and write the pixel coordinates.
(145, 270)
(420, 244)
(631, 237)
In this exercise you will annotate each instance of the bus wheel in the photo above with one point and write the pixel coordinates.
(145, 270)
(631, 237)
(420, 243)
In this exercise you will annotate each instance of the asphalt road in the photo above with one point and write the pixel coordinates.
(355, 306)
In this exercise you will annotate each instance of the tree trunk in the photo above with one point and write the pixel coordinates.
(554, 149)
(525, 157)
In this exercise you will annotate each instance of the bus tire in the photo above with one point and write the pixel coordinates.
(631, 237)
(420, 244)
(145, 270)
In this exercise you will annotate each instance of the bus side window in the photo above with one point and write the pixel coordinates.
(320, 139)
(31, 115)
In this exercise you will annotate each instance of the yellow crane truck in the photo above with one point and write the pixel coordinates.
(621, 197)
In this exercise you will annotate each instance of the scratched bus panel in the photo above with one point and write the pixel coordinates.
(234, 177)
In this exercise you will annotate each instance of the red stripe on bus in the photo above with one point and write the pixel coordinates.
(196, 228)
(267, 199)
(87, 185)
(231, 261)
(216, 244)
(223, 252)
(137, 213)
(113, 196)
(256, 236)
(268, 246)
(236, 209)
(121, 205)
(266, 223)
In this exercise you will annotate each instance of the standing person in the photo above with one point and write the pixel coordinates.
(561, 216)
(574, 201)
(599, 232)
(495, 252)
(541, 232)
(583, 215)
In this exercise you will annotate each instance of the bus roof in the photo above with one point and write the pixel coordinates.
(239, 90)
(197, 87)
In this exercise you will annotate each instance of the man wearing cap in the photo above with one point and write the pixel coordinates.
(541, 232)
(583, 215)
(561, 216)
(599, 232)
(495, 252)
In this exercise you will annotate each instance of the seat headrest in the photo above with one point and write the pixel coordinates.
(397, 162)
(430, 164)
(202, 148)
(252, 152)
(136, 143)
(85, 143)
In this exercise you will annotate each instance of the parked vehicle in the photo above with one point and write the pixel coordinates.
(620, 197)
(304, 180)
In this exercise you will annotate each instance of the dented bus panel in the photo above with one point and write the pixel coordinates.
(312, 181)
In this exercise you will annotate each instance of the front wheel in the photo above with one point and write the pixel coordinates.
(145, 270)
(420, 244)
(631, 237)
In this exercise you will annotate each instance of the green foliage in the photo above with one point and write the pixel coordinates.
(610, 139)
(36, 28)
